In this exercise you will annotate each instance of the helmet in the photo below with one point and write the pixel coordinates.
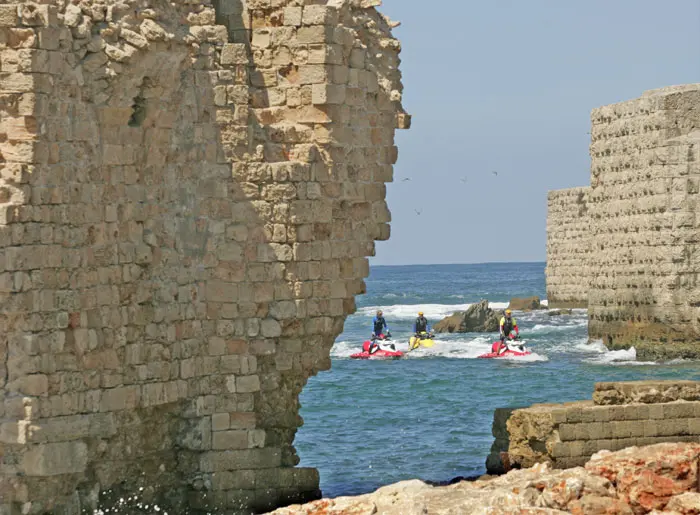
(420, 313)
(508, 312)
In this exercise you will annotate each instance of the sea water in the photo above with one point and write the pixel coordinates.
(429, 415)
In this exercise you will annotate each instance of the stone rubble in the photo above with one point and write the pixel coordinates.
(660, 478)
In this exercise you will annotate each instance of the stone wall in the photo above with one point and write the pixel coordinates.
(640, 272)
(645, 178)
(620, 415)
(188, 194)
(568, 248)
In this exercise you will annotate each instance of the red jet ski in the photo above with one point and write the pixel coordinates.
(513, 349)
(371, 349)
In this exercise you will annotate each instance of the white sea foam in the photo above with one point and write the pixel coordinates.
(557, 327)
(530, 357)
(455, 349)
(622, 357)
(433, 312)
(619, 355)
(596, 346)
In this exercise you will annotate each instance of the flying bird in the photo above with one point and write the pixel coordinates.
(494, 172)
(463, 179)
(405, 179)
(418, 212)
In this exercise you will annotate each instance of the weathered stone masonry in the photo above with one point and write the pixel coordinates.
(568, 248)
(642, 249)
(189, 193)
(621, 415)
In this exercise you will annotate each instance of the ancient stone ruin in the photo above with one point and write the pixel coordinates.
(621, 415)
(627, 247)
(189, 193)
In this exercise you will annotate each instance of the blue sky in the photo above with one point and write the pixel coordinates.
(508, 86)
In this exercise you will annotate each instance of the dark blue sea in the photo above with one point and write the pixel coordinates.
(429, 415)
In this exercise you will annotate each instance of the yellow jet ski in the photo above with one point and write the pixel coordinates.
(422, 340)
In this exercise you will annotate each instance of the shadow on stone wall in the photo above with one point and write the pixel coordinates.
(178, 257)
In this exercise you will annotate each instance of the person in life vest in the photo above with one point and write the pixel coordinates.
(506, 326)
(421, 324)
(379, 326)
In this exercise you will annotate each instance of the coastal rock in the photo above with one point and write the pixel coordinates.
(558, 312)
(628, 482)
(479, 318)
(647, 477)
(687, 503)
(525, 304)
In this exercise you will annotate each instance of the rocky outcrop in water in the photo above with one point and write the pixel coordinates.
(479, 318)
(525, 304)
(558, 312)
(660, 478)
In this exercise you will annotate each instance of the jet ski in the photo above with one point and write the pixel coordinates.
(373, 349)
(378, 351)
(422, 340)
(514, 349)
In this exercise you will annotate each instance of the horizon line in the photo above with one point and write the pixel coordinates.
(476, 263)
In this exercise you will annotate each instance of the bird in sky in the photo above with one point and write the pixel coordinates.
(494, 172)
(418, 212)
(405, 179)
(463, 179)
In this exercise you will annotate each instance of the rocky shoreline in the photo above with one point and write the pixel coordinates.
(661, 478)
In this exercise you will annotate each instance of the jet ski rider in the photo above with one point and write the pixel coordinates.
(421, 325)
(507, 324)
(378, 326)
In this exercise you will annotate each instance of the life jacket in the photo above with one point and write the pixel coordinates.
(421, 324)
(507, 325)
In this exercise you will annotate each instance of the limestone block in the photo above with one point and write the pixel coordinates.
(261, 38)
(319, 15)
(232, 460)
(319, 34)
(234, 53)
(327, 94)
(133, 38)
(152, 31)
(325, 54)
(9, 16)
(38, 15)
(52, 459)
(230, 440)
(247, 384)
(292, 16)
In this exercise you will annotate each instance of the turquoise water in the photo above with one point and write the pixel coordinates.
(428, 416)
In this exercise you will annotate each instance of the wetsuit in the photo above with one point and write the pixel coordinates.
(378, 325)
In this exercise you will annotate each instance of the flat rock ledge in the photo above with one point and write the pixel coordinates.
(661, 478)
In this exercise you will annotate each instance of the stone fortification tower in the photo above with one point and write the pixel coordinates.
(627, 247)
(188, 194)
